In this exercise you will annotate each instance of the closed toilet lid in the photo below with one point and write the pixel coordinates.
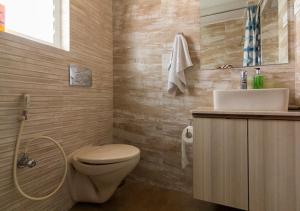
(110, 153)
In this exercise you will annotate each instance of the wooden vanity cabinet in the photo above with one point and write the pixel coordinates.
(274, 165)
(220, 161)
(250, 164)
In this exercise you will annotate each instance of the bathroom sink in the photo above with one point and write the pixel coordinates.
(276, 99)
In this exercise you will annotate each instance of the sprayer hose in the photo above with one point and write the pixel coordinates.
(16, 182)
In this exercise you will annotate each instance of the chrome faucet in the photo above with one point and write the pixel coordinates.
(243, 79)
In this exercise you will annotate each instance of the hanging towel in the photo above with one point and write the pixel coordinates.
(180, 60)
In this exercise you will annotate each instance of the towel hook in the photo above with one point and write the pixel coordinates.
(178, 33)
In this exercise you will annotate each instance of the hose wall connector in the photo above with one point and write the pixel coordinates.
(25, 161)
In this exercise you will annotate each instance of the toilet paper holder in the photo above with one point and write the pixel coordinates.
(188, 133)
(186, 138)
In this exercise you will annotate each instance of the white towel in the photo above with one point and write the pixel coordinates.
(180, 60)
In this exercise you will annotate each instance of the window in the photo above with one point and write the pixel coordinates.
(45, 21)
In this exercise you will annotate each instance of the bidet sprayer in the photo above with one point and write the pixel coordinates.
(26, 103)
(23, 160)
(26, 100)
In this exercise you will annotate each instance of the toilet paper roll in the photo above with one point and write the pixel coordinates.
(186, 138)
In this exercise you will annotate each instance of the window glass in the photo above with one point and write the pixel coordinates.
(41, 20)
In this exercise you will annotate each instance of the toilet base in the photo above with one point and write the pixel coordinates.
(98, 188)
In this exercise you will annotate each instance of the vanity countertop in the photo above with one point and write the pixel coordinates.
(209, 112)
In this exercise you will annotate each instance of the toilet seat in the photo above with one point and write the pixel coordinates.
(106, 154)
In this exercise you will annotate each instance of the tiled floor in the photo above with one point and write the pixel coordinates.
(142, 197)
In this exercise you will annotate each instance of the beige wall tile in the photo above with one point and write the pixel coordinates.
(145, 115)
(73, 116)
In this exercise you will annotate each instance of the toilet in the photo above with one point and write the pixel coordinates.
(97, 171)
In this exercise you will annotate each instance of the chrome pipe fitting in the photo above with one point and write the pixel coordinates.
(25, 161)
(243, 79)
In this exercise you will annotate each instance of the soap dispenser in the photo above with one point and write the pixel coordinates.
(258, 79)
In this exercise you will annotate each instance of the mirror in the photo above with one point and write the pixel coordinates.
(242, 33)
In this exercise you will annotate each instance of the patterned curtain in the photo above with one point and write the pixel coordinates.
(252, 45)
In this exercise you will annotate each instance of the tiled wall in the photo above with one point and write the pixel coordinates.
(145, 115)
(269, 38)
(297, 58)
(283, 8)
(73, 116)
(222, 43)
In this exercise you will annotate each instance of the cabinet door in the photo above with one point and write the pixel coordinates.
(274, 156)
(220, 161)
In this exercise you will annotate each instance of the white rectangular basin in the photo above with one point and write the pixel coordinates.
(251, 100)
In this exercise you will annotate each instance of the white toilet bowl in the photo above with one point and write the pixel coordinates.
(97, 171)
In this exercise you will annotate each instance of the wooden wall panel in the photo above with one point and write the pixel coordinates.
(72, 115)
(144, 113)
